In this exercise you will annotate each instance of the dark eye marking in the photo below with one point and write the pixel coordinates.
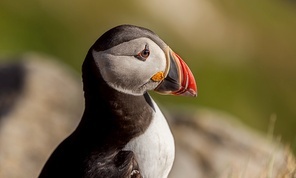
(144, 54)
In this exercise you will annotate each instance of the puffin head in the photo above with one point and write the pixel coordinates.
(134, 60)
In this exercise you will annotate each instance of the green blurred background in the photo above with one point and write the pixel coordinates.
(243, 53)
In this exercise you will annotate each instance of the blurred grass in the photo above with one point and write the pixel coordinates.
(246, 67)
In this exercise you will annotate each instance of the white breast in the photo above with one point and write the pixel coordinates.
(155, 149)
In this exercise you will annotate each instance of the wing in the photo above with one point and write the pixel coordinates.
(127, 165)
(122, 165)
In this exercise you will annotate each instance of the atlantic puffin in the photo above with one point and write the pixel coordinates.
(123, 133)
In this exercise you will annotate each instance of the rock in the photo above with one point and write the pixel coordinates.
(47, 108)
(214, 144)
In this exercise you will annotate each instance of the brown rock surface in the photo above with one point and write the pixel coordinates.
(214, 144)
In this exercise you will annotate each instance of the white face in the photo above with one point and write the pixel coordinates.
(126, 73)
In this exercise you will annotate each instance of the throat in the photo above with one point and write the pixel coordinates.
(114, 122)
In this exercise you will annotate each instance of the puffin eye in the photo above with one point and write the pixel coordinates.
(144, 54)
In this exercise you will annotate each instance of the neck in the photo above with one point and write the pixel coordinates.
(111, 117)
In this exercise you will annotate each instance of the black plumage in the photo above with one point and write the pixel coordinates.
(118, 109)
(94, 149)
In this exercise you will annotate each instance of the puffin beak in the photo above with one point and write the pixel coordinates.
(178, 78)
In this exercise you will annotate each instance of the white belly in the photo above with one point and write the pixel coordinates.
(155, 149)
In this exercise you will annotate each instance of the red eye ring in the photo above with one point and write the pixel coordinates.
(144, 54)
